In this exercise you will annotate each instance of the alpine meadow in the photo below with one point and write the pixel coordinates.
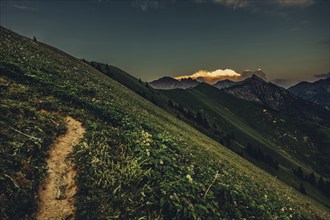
(179, 134)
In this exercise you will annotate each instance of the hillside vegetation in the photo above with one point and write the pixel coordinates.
(279, 142)
(288, 140)
(135, 161)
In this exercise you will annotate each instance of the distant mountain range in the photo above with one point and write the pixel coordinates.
(235, 121)
(277, 98)
(251, 111)
(256, 89)
(171, 83)
(317, 92)
(224, 84)
(270, 95)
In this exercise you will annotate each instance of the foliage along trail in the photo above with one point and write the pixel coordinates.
(56, 194)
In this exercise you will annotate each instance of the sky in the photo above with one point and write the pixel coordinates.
(287, 39)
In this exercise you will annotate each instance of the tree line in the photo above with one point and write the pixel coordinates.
(321, 184)
(259, 155)
(197, 117)
(202, 121)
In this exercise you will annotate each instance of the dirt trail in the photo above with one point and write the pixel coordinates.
(56, 194)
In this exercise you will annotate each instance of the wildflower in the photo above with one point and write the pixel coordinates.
(161, 162)
(282, 209)
(189, 178)
(265, 196)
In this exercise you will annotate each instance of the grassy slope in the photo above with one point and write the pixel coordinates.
(285, 133)
(137, 85)
(249, 120)
(136, 160)
(251, 125)
(25, 137)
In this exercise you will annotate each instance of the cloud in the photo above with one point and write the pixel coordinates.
(258, 4)
(294, 3)
(322, 75)
(219, 74)
(102, 1)
(234, 3)
(23, 7)
(254, 5)
(212, 77)
(146, 5)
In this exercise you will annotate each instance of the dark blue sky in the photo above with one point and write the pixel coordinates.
(287, 39)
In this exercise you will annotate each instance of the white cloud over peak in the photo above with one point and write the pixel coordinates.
(212, 77)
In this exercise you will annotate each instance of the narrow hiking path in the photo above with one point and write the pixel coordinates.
(56, 193)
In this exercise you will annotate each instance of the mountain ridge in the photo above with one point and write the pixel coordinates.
(272, 96)
(171, 83)
(320, 96)
(317, 92)
(222, 84)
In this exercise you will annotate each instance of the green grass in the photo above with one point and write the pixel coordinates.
(136, 85)
(136, 160)
(26, 135)
(250, 124)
